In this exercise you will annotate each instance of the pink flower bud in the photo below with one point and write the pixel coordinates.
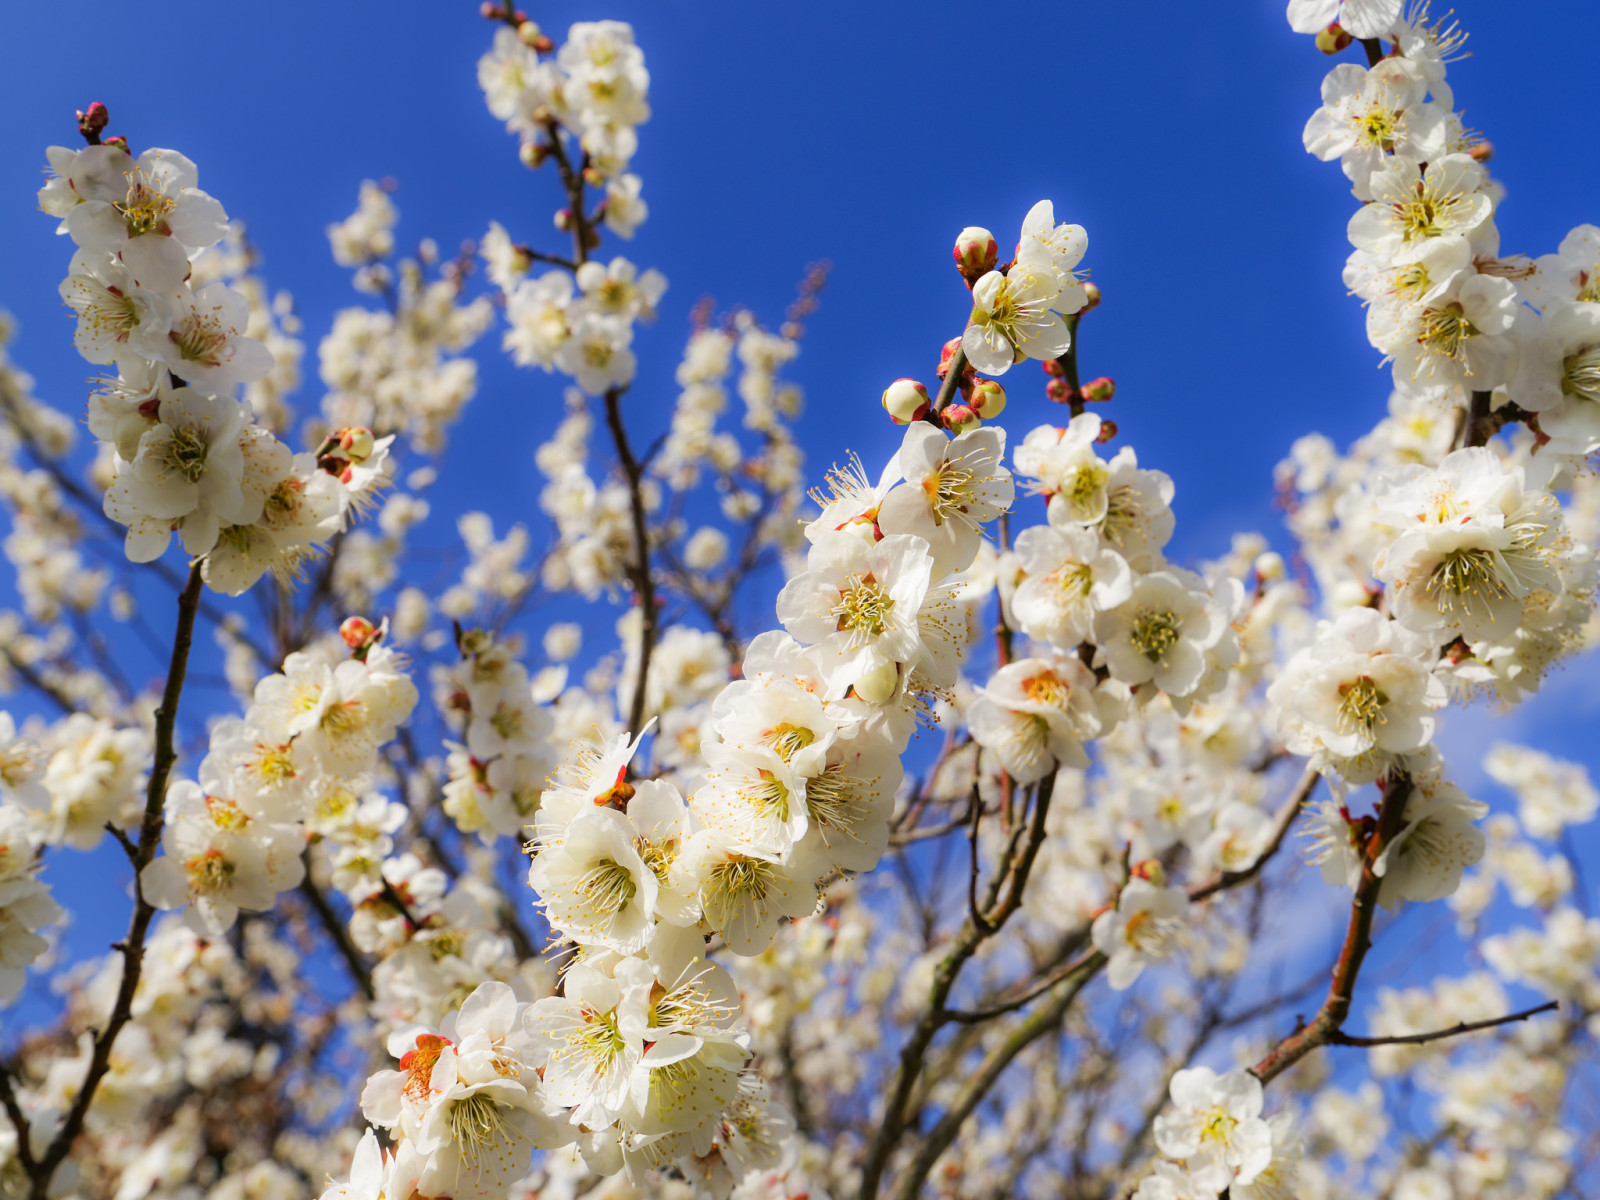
(1053, 367)
(976, 253)
(1108, 430)
(1152, 870)
(1481, 152)
(359, 633)
(564, 219)
(958, 418)
(1333, 39)
(1093, 298)
(947, 353)
(906, 401)
(1059, 391)
(988, 399)
(1098, 391)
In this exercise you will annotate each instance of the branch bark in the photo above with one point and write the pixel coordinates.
(132, 946)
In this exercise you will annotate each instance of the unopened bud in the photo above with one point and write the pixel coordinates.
(1334, 39)
(533, 154)
(594, 177)
(521, 259)
(1269, 566)
(356, 443)
(1108, 430)
(90, 123)
(564, 220)
(474, 641)
(976, 253)
(1091, 298)
(958, 418)
(1053, 367)
(1098, 391)
(878, 684)
(529, 33)
(988, 399)
(360, 635)
(906, 400)
(1058, 391)
(120, 142)
(1152, 870)
(1481, 151)
(490, 11)
(947, 354)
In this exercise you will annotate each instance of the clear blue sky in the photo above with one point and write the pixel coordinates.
(863, 133)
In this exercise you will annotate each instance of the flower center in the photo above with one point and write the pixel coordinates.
(186, 453)
(1047, 688)
(607, 886)
(1361, 705)
(864, 608)
(145, 207)
(1462, 575)
(949, 491)
(1442, 332)
(201, 339)
(1580, 374)
(831, 799)
(477, 1124)
(1378, 127)
(787, 740)
(743, 878)
(770, 797)
(209, 873)
(1155, 632)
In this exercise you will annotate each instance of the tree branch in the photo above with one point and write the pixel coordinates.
(643, 584)
(1340, 1038)
(132, 946)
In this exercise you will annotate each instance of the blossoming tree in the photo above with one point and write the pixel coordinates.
(960, 873)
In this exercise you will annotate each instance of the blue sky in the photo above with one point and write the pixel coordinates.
(867, 134)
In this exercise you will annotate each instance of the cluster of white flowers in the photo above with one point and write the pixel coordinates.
(595, 87)
(234, 840)
(25, 903)
(189, 456)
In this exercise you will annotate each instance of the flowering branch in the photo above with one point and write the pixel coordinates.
(643, 583)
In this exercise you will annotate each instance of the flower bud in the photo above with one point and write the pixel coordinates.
(958, 418)
(1269, 566)
(976, 253)
(1150, 869)
(490, 11)
(1092, 297)
(988, 399)
(120, 142)
(878, 684)
(93, 121)
(356, 443)
(360, 635)
(594, 177)
(1481, 152)
(1098, 391)
(906, 401)
(1059, 391)
(1053, 367)
(563, 219)
(1333, 39)
(533, 154)
(1108, 430)
(529, 34)
(946, 354)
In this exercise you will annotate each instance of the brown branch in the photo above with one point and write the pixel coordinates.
(1340, 1038)
(19, 1122)
(132, 946)
(1280, 830)
(338, 932)
(1357, 941)
(1480, 424)
(643, 584)
(952, 382)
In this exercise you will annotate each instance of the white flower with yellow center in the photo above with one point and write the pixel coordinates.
(1438, 841)
(1069, 576)
(1142, 929)
(1367, 116)
(1558, 375)
(536, 319)
(597, 353)
(743, 896)
(1412, 206)
(858, 604)
(617, 289)
(1455, 343)
(1473, 542)
(1064, 468)
(1359, 18)
(1359, 698)
(1035, 714)
(849, 803)
(952, 489)
(594, 886)
(206, 343)
(1163, 632)
(1066, 245)
(121, 302)
(1571, 274)
(593, 1035)
(1215, 1127)
(1013, 314)
(155, 195)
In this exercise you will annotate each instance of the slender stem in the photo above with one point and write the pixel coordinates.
(1419, 1039)
(132, 946)
(338, 932)
(643, 582)
(1280, 829)
(1480, 425)
(952, 382)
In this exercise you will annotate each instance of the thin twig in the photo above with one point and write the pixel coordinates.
(1340, 1038)
(643, 583)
